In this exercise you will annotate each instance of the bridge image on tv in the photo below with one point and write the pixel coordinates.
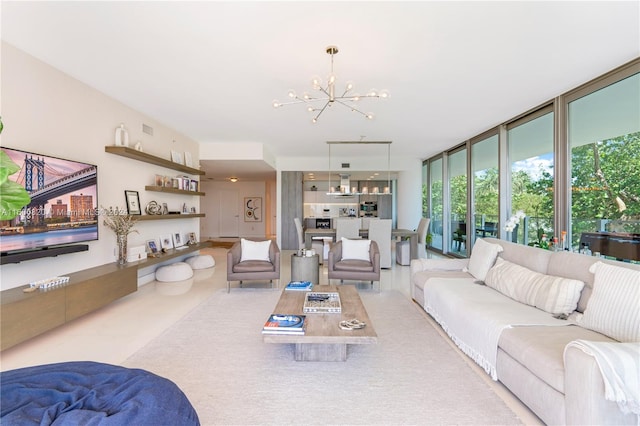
(63, 206)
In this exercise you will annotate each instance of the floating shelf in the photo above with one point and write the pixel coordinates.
(124, 151)
(168, 216)
(173, 190)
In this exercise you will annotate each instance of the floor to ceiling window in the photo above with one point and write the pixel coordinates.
(457, 179)
(435, 202)
(604, 137)
(530, 147)
(571, 166)
(484, 165)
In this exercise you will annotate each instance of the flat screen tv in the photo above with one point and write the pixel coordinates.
(45, 202)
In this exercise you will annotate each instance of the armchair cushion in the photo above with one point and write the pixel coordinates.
(255, 250)
(355, 249)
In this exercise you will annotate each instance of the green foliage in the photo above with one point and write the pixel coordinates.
(600, 173)
(13, 197)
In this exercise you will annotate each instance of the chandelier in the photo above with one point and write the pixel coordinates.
(328, 97)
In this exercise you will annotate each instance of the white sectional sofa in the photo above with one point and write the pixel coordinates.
(506, 306)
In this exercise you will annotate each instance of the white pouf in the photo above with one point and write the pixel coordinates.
(202, 261)
(178, 271)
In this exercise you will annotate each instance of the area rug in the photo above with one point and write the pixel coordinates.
(411, 376)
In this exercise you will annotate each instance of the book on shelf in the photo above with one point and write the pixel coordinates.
(299, 286)
(284, 324)
(322, 302)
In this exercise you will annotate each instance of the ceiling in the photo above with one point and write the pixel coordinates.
(211, 69)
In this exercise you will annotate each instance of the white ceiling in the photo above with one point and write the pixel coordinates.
(210, 69)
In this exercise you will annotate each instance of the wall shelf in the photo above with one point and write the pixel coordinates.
(124, 151)
(173, 190)
(168, 216)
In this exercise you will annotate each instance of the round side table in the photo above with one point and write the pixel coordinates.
(305, 268)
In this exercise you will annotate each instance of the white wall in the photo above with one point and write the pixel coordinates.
(48, 112)
(214, 206)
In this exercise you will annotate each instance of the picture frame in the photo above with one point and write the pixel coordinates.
(188, 160)
(177, 240)
(133, 202)
(152, 246)
(166, 242)
(193, 185)
(159, 180)
(253, 209)
(192, 238)
(176, 157)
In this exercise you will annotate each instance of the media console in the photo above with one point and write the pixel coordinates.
(25, 315)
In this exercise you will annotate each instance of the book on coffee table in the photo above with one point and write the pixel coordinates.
(299, 286)
(284, 324)
(322, 302)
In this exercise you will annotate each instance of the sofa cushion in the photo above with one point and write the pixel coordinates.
(552, 294)
(540, 349)
(533, 258)
(482, 258)
(253, 266)
(255, 250)
(354, 265)
(613, 306)
(355, 249)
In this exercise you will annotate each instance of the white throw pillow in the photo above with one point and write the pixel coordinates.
(555, 295)
(355, 249)
(614, 306)
(482, 258)
(255, 250)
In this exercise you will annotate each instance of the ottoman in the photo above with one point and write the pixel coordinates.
(178, 271)
(202, 261)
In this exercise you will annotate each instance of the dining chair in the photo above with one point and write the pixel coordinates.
(380, 232)
(348, 228)
(423, 229)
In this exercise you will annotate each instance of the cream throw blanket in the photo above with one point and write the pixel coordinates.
(474, 316)
(619, 364)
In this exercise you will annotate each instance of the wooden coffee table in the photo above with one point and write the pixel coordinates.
(324, 340)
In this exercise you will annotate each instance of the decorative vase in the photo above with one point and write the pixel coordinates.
(122, 136)
(122, 248)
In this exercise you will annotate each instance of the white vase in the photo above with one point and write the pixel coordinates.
(122, 136)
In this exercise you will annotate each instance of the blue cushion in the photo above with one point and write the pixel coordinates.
(91, 393)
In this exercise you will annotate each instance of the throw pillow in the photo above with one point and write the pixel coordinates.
(613, 306)
(255, 250)
(555, 295)
(482, 258)
(355, 249)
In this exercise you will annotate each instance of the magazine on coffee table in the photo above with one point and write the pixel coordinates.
(322, 302)
(284, 324)
(299, 286)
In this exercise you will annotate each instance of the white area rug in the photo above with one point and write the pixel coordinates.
(412, 376)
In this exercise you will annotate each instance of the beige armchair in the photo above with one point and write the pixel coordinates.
(354, 269)
(252, 269)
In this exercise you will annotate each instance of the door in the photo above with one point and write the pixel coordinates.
(229, 214)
